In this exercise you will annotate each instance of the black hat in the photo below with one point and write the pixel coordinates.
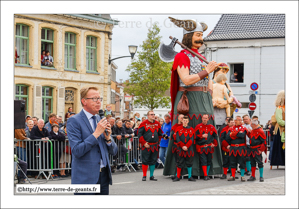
(55, 125)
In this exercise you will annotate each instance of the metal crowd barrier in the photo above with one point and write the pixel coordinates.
(128, 154)
(44, 156)
(268, 135)
(47, 156)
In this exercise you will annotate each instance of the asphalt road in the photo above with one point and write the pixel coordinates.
(129, 183)
(125, 183)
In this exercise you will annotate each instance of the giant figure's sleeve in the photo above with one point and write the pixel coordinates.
(278, 116)
(79, 146)
(181, 59)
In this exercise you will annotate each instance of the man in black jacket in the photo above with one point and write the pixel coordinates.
(39, 132)
(118, 132)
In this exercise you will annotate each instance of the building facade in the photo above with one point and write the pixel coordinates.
(253, 45)
(80, 46)
(117, 94)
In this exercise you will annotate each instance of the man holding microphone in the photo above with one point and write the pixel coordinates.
(90, 143)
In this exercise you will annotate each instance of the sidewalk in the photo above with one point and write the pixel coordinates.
(272, 186)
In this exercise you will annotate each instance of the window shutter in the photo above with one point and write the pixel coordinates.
(61, 101)
(37, 110)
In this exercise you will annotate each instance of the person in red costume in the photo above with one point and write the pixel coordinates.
(206, 140)
(149, 134)
(190, 76)
(225, 151)
(172, 137)
(236, 140)
(185, 153)
(258, 144)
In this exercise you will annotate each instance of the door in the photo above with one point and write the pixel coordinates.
(70, 99)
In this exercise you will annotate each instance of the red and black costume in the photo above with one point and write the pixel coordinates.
(204, 145)
(236, 138)
(173, 137)
(184, 137)
(150, 133)
(225, 151)
(257, 143)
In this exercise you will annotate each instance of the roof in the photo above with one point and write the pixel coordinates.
(248, 26)
(96, 17)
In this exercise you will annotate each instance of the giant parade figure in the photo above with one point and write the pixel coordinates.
(223, 97)
(191, 90)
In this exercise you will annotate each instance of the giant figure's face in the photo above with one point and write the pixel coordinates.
(197, 40)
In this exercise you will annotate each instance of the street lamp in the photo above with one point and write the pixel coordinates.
(132, 50)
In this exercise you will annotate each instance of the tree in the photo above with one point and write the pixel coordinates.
(149, 75)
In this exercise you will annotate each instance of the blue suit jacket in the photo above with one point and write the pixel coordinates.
(86, 150)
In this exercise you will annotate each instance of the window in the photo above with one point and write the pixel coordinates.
(47, 40)
(47, 97)
(113, 76)
(245, 104)
(70, 51)
(239, 70)
(91, 53)
(22, 94)
(113, 97)
(22, 44)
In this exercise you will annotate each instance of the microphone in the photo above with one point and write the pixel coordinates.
(101, 113)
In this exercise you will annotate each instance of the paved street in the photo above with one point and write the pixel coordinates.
(129, 183)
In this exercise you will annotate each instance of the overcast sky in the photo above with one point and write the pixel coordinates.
(133, 29)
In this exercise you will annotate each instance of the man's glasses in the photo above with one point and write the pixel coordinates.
(151, 114)
(95, 99)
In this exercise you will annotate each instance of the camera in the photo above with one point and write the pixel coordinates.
(165, 136)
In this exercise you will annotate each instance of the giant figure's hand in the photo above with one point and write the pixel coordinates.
(211, 66)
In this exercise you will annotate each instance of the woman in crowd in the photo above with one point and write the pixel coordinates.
(161, 122)
(57, 146)
(278, 154)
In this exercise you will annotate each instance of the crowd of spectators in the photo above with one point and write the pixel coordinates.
(124, 132)
(35, 128)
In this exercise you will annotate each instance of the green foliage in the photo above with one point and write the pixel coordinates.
(149, 75)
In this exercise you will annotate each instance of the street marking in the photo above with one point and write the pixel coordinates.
(128, 182)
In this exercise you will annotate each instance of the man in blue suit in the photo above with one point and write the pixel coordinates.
(90, 144)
